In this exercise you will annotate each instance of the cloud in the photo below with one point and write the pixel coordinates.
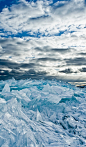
(76, 61)
(61, 50)
(6, 74)
(43, 39)
(13, 65)
(83, 69)
(38, 57)
(67, 71)
(43, 17)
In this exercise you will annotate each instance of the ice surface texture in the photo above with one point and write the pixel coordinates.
(42, 113)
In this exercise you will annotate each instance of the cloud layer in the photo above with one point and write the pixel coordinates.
(43, 39)
(44, 18)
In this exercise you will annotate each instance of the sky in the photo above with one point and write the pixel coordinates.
(43, 39)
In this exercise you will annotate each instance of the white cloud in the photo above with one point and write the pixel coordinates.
(43, 17)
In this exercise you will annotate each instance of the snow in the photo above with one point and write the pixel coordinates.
(42, 113)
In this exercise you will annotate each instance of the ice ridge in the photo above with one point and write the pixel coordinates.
(42, 113)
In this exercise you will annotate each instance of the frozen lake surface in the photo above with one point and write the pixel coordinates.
(42, 113)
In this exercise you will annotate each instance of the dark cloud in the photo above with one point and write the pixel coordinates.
(9, 47)
(38, 49)
(47, 59)
(5, 40)
(83, 69)
(82, 53)
(14, 70)
(13, 65)
(38, 18)
(28, 65)
(67, 71)
(11, 50)
(76, 61)
(24, 75)
(60, 50)
(53, 50)
(8, 64)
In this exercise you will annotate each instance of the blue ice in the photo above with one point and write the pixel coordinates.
(42, 113)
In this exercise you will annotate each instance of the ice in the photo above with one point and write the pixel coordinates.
(39, 118)
(6, 88)
(42, 113)
(2, 101)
